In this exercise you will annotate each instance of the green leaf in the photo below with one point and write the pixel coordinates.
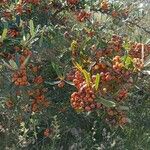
(68, 82)
(4, 34)
(128, 62)
(32, 32)
(87, 77)
(53, 82)
(78, 66)
(25, 61)
(127, 46)
(7, 65)
(106, 102)
(57, 70)
(13, 64)
(97, 81)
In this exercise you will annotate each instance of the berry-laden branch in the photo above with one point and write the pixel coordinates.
(113, 13)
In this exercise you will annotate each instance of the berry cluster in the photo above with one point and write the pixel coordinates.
(136, 50)
(84, 98)
(24, 54)
(13, 33)
(117, 64)
(116, 117)
(115, 44)
(19, 78)
(82, 16)
(38, 80)
(38, 99)
(105, 7)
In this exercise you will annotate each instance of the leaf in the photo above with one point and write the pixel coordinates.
(85, 73)
(74, 45)
(148, 41)
(87, 77)
(127, 46)
(106, 102)
(70, 83)
(25, 61)
(57, 70)
(53, 82)
(4, 34)
(41, 40)
(97, 81)
(128, 62)
(32, 32)
(147, 72)
(7, 65)
(13, 64)
(78, 66)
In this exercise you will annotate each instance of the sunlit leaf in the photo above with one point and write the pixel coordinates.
(26, 61)
(32, 32)
(13, 64)
(87, 77)
(97, 81)
(4, 34)
(78, 66)
(128, 62)
(70, 83)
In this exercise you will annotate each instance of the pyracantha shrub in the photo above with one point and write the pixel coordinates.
(67, 72)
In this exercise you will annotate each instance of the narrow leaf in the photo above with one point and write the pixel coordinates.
(4, 34)
(87, 77)
(57, 70)
(25, 61)
(7, 65)
(97, 81)
(13, 64)
(31, 27)
(53, 82)
(78, 66)
(106, 102)
(70, 83)
(147, 72)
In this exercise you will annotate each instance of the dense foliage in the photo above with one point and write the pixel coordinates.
(74, 75)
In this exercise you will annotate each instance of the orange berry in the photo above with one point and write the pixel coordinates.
(16, 83)
(108, 77)
(96, 67)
